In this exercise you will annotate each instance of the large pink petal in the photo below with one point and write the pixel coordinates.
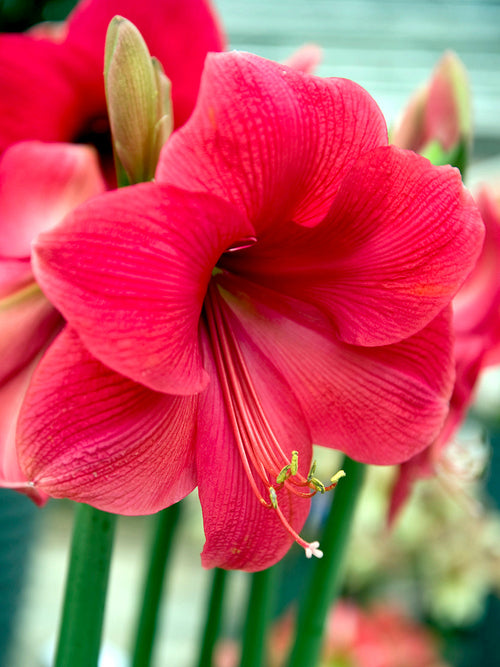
(129, 271)
(89, 434)
(379, 405)
(39, 184)
(40, 99)
(274, 141)
(53, 88)
(14, 275)
(27, 323)
(398, 242)
(240, 532)
(477, 305)
(12, 394)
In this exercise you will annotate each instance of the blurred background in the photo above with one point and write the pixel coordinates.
(441, 562)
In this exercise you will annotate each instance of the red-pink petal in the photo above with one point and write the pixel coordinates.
(477, 305)
(14, 275)
(52, 84)
(12, 393)
(240, 532)
(39, 184)
(398, 242)
(27, 323)
(89, 434)
(379, 405)
(129, 271)
(274, 141)
(39, 99)
(179, 34)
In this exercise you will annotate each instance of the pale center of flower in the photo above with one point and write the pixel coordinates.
(261, 453)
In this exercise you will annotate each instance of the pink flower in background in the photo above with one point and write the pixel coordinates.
(439, 112)
(39, 184)
(285, 281)
(52, 78)
(381, 636)
(476, 322)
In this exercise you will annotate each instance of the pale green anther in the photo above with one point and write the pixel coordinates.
(312, 470)
(295, 462)
(338, 475)
(138, 98)
(283, 474)
(318, 485)
(273, 497)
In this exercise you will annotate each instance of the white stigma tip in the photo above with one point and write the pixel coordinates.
(312, 550)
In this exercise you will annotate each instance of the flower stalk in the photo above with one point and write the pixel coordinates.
(325, 579)
(86, 587)
(163, 533)
(213, 617)
(257, 620)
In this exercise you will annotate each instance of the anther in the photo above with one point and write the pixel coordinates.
(283, 474)
(338, 475)
(318, 485)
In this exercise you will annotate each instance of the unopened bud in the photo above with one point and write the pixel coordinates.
(138, 98)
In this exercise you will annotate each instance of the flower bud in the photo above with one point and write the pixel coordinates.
(437, 121)
(139, 104)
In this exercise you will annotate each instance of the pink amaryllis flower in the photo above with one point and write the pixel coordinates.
(39, 184)
(382, 635)
(52, 77)
(284, 281)
(476, 321)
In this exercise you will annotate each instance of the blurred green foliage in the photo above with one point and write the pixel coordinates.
(18, 15)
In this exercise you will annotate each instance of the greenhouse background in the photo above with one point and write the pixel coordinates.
(390, 47)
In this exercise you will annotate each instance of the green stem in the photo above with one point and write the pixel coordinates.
(325, 580)
(164, 529)
(257, 620)
(212, 618)
(86, 587)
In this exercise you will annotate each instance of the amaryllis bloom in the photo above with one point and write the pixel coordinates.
(476, 321)
(383, 635)
(52, 77)
(39, 184)
(284, 281)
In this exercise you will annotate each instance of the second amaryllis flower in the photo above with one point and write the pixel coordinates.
(285, 281)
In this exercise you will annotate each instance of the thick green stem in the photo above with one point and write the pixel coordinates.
(213, 618)
(163, 533)
(257, 619)
(86, 587)
(325, 580)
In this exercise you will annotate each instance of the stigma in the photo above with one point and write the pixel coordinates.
(264, 461)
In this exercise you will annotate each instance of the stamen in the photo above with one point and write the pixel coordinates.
(260, 451)
(313, 469)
